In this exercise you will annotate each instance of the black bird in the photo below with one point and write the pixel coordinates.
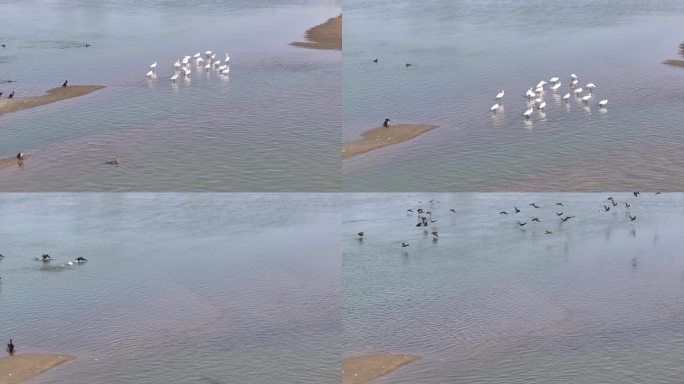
(435, 234)
(420, 210)
(11, 95)
(516, 209)
(3, 45)
(636, 194)
(614, 203)
(658, 193)
(535, 219)
(631, 218)
(428, 213)
(113, 162)
(610, 198)
(375, 61)
(360, 235)
(10, 347)
(46, 257)
(419, 224)
(606, 208)
(433, 221)
(0, 94)
(409, 210)
(503, 213)
(534, 205)
(404, 245)
(452, 210)
(559, 213)
(627, 205)
(82, 259)
(547, 232)
(408, 64)
(386, 123)
(65, 83)
(20, 156)
(87, 45)
(634, 261)
(522, 224)
(561, 204)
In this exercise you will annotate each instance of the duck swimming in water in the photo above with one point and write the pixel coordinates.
(113, 162)
(81, 259)
(45, 257)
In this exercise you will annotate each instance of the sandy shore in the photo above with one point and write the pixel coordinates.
(9, 162)
(677, 63)
(324, 36)
(363, 369)
(20, 367)
(382, 137)
(55, 94)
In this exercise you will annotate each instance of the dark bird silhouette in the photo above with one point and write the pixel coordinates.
(420, 210)
(404, 245)
(547, 232)
(566, 218)
(631, 218)
(610, 198)
(360, 235)
(113, 162)
(614, 203)
(627, 205)
(516, 209)
(435, 234)
(386, 123)
(11, 95)
(375, 61)
(65, 83)
(559, 213)
(636, 194)
(561, 204)
(658, 193)
(433, 221)
(536, 219)
(634, 261)
(20, 156)
(522, 224)
(503, 213)
(3, 45)
(87, 45)
(534, 205)
(452, 210)
(10, 347)
(606, 208)
(419, 224)
(409, 210)
(0, 94)
(81, 259)
(408, 64)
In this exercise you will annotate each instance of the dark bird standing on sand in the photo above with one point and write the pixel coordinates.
(20, 156)
(386, 123)
(11, 95)
(65, 83)
(10, 347)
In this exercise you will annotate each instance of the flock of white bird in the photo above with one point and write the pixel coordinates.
(535, 95)
(182, 66)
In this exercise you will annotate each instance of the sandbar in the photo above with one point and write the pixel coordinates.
(9, 162)
(20, 367)
(324, 36)
(382, 137)
(365, 368)
(677, 63)
(53, 95)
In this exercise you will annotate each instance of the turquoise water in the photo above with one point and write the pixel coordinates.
(489, 302)
(260, 129)
(178, 288)
(464, 52)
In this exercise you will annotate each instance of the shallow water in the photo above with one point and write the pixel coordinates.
(463, 53)
(202, 288)
(258, 130)
(489, 302)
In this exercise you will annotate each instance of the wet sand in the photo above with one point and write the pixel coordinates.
(10, 162)
(324, 36)
(363, 369)
(382, 137)
(53, 95)
(21, 367)
(677, 63)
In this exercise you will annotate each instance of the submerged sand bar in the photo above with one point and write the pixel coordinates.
(17, 368)
(53, 95)
(382, 137)
(324, 36)
(677, 63)
(363, 369)
(9, 162)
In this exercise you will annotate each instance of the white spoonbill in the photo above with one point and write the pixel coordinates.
(208, 66)
(574, 77)
(528, 113)
(153, 66)
(225, 71)
(566, 96)
(573, 84)
(586, 98)
(541, 84)
(591, 87)
(221, 68)
(500, 95)
(539, 90)
(208, 53)
(213, 57)
(556, 86)
(199, 60)
(196, 55)
(176, 64)
(553, 79)
(494, 107)
(186, 59)
(174, 77)
(530, 94)
(538, 100)
(150, 74)
(603, 103)
(227, 58)
(217, 63)
(187, 71)
(578, 91)
(542, 106)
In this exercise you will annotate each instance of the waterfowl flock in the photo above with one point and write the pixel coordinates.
(182, 68)
(536, 96)
(548, 219)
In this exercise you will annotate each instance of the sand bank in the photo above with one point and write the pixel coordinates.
(55, 94)
(324, 36)
(677, 63)
(382, 137)
(17, 368)
(9, 162)
(363, 369)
